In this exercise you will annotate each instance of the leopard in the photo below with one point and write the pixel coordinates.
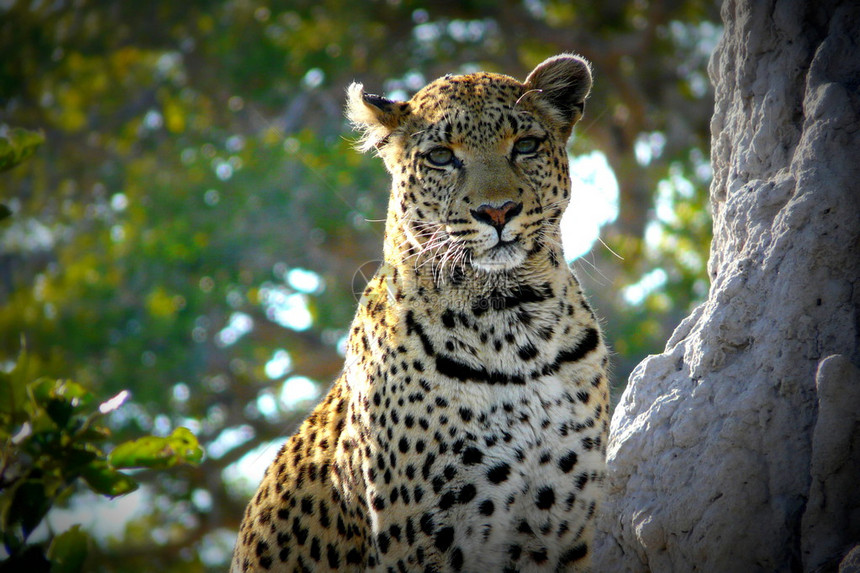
(467, 430)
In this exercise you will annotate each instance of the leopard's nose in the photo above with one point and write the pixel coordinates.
(497, 217)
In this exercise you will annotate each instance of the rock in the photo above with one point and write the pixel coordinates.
(732, 450)
(832, 518)
(851, 562)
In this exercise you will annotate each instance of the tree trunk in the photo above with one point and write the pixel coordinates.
(738, 448)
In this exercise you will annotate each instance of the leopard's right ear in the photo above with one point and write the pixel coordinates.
(375, 117)
(558, 87)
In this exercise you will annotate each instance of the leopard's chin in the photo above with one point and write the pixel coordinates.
(500, 258)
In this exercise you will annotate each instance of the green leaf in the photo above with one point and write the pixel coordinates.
(44, 429)
(152, 452)
(106, 480)
(4, 211)
(75, 458)
(13, 387)
(29, 505)
(60, 412)
(9, 402)
(68, 551)
(59, 398)
(45, 389)
(12, 541)
(16, 145)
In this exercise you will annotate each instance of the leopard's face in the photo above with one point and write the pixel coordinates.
(480, 172)
(485, 181)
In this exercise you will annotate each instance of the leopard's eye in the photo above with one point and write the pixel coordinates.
(440, 156)
(526, 145)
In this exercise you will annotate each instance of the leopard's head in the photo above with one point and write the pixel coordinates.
(478, 162)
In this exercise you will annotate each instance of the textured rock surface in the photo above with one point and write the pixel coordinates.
(737, 448)
(851, 563)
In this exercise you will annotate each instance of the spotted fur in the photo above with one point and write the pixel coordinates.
(467, 431)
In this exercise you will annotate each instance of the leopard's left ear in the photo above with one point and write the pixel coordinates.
(375, 117)
(558, 87)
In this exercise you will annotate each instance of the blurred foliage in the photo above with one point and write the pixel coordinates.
(194, 225)
(16, 145)
(49, 439)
